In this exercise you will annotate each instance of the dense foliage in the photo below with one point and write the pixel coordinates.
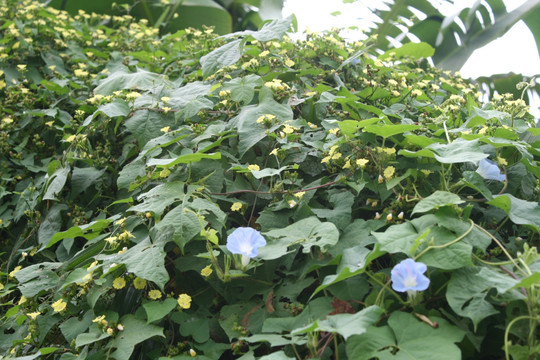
(252, 197)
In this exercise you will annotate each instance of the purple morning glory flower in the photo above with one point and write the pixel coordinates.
(245, 241)
(490, 171)
(409, 276)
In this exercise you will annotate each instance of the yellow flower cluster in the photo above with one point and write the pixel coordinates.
(184, 301)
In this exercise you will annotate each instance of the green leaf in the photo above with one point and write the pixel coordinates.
(273, 30)
(306, 232)
(90, 338)
(415, 51)
(182, 159)
(249, 131)
(466, 294)
(519, 211)
(225, 55)
(354, 262)
(194, 13)
(83, 178)
(51, 224)
(160, 197)
(436, 200)
(156, 310)
(401, 237)
(406, 337)
(116, 108)
(135, 332)
(458, 151)
(475, 181)
(121, 79)
(184, 223)
(340, 215)
(529, 281)
(243, 88)
(146, 125)
(56, 183)
(344, 324)
(145, 260)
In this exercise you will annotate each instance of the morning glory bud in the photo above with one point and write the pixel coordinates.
(245, 241)
(408, 276)
(490, 171)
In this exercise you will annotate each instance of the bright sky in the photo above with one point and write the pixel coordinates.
(514, 52)
(519, 54)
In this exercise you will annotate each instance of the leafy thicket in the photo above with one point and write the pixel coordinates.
(171, 15)
(127, 159)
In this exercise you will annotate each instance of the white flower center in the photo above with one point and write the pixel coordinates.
(410, 281)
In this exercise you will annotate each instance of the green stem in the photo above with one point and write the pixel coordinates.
(501, 246)
(507, 331)
(384, 286)
(147, 11)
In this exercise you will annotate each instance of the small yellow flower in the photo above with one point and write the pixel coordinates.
(1, 286)
(132, 95)
(22, 300)
(100, 320)
(192, 352)
(165, 99)
(300, 194)
(502, 161)
(120, 222)
(254, 167)
(334, 131)
(264, 53)
(154, 294)
(236, 206)
(288, 129)
(21, 67)
(119, 283)
(111, 239)
(207, 271)
(120, 327)
(184, 301)
(59, 305)
(362, 163)
(33, 315)
(110, 331)
(14, 271)
(166, 109)
(139, 283)
(292, 203)
(274, 152)
(165, 129)
(126, 235)
(289, 63)
(389, 172)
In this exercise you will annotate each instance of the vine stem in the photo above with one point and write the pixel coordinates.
(501, 246)
(507, 331)
(461, 237)
(279, 192)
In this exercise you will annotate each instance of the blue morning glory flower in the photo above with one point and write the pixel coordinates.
(408, 276)
(490, 171)
(245, 241)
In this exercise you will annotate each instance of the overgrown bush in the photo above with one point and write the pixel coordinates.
(133, 167)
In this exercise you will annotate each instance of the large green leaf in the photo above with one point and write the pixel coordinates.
(519, 211)
(121, 79)
(407, 338)
(307, 233)
(467, 292)
(135, 331)
(344, 324)
(146, 260)
(223, 56)
(457, 58)
(251, 132)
